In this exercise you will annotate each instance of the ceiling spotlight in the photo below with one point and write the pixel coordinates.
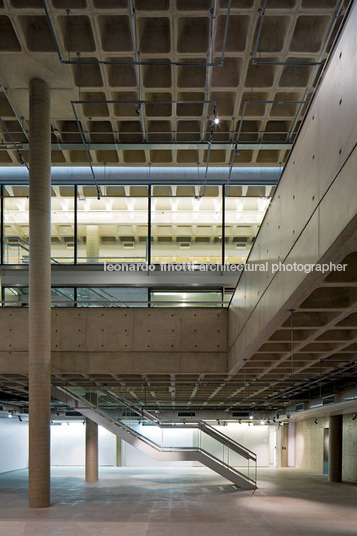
(354, 417)
(19, 417)
(262, 421)
(10, 414)
(216, 120)
(251, 417)
(288, 416)
(316, 421)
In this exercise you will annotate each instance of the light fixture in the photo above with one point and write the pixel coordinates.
(354, 417)
(216, 120)
(251, 417)
(10, 414)
(19, 417)
(316, 421)
(262, 422)
(288, 416)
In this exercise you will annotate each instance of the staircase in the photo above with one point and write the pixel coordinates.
(115, 414)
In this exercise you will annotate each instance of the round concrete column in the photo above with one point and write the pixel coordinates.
(91, 451)
(40, 295)
(92, 243)
(335, 449)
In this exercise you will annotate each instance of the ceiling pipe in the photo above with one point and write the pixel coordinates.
(137, 60)
(14, 110)
(209, 68)
(314, 382)
(21, 158)
(138, 175)
(261, 13)
(108, 62)
(317, 66)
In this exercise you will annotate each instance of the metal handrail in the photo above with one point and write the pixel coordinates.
(201, 425)
(234, 445)
(99, 303)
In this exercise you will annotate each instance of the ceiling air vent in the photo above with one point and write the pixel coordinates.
(185, 245)
(299, 407)
(128, 245)
(186, 414)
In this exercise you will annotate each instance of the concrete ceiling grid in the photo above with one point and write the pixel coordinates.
(92, 30)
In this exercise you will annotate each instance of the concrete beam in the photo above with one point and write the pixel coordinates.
(95, 275)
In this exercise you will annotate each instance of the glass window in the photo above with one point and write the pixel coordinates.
(62, 224)
(115, 227)
(16, 224)
(19, 297)
(244, 212)
(186, 227)
(62, 297)
(188, 298)
(112, 297)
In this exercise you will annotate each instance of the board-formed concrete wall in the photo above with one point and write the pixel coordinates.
(309, 446)
(122, 340)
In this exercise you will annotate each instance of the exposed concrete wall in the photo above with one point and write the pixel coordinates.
(349, 449)
(130, 340)
(309, 446)
(302, 223)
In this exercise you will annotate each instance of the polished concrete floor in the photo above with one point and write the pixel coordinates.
(179, 502)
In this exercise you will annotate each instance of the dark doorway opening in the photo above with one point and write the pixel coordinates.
(326, 449)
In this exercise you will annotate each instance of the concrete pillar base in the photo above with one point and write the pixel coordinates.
(91, 451)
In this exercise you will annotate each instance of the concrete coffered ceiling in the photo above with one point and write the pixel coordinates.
(175, 45)
(96, 35)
